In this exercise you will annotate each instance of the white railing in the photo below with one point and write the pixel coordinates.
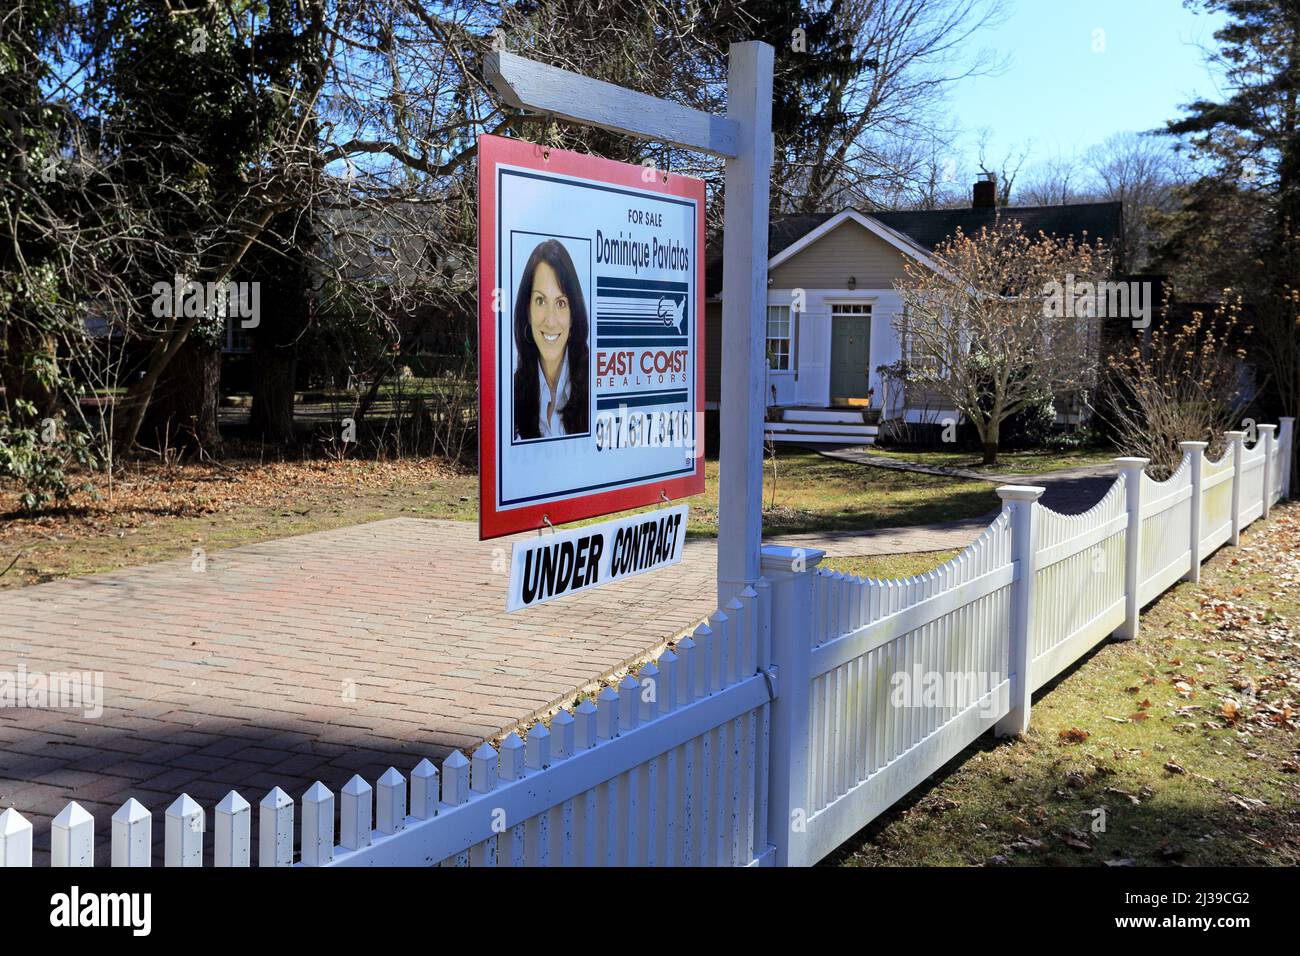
(781, 726)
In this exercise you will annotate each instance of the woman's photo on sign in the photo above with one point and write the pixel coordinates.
(552, 353)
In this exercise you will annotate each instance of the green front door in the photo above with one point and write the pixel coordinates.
(850, 357)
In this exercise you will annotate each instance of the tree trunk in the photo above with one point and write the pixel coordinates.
(183, 411)
(280, 269)
(990, 444)
(274, 371)
(281, 264)
(275, 363)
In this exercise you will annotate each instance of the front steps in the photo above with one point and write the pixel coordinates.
(830, 426)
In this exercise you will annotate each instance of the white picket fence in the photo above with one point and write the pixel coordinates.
(1032, 595)
(781, 726)
(670, 768)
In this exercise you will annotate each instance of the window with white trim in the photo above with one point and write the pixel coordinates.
(780, 338)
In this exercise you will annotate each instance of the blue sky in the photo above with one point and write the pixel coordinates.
(1059, 96)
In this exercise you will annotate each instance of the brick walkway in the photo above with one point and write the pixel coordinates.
(304, 658)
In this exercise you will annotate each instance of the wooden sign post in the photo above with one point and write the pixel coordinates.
(744, 139)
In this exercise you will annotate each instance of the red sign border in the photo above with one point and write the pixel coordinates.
(497, 150)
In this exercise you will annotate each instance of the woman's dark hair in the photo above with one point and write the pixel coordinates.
(527, 393)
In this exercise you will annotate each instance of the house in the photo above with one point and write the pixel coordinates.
(831, 307)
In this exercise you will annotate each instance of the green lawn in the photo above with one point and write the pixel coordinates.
(816, 493)
(1187, 737)
(1011, 462)
(889, 565)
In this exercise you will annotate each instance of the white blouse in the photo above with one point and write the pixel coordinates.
(554, 425)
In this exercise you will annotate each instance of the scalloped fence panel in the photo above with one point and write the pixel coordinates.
(774, 731)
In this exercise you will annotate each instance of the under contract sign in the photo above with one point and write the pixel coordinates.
(553, 565)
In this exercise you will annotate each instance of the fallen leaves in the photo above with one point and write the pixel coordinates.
(1076, 839)
(1132, 798)
(144, 492)
(1074, 735)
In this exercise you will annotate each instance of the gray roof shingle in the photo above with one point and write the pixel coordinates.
(929, 227)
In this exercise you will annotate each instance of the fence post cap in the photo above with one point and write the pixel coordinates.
(72, 815)
(1132, 461)
(1196, 445)
(183, 806)
(130, 812)
(1266, 428)
(318, 793)
(356, 786)
(277, 799)
(1020, 492)
(11, 822)
(231, 803)
(1235, 436)
(456, 760)
(780, 558)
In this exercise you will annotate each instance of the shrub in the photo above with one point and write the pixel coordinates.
(1072, 439)
(37, 459)
(1180, 382)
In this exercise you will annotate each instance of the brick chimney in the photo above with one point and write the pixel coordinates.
(985, 193)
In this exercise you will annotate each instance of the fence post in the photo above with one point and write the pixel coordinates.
(744, 307)
(1236, 447)
(1131, 469)
(1286, 444)
(1019, 500)
(1268, 435)
(1196, 449)
(15, 839)
(790, 573)
(72, 837)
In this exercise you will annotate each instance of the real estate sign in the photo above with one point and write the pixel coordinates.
(551, 566)
(591, 345)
